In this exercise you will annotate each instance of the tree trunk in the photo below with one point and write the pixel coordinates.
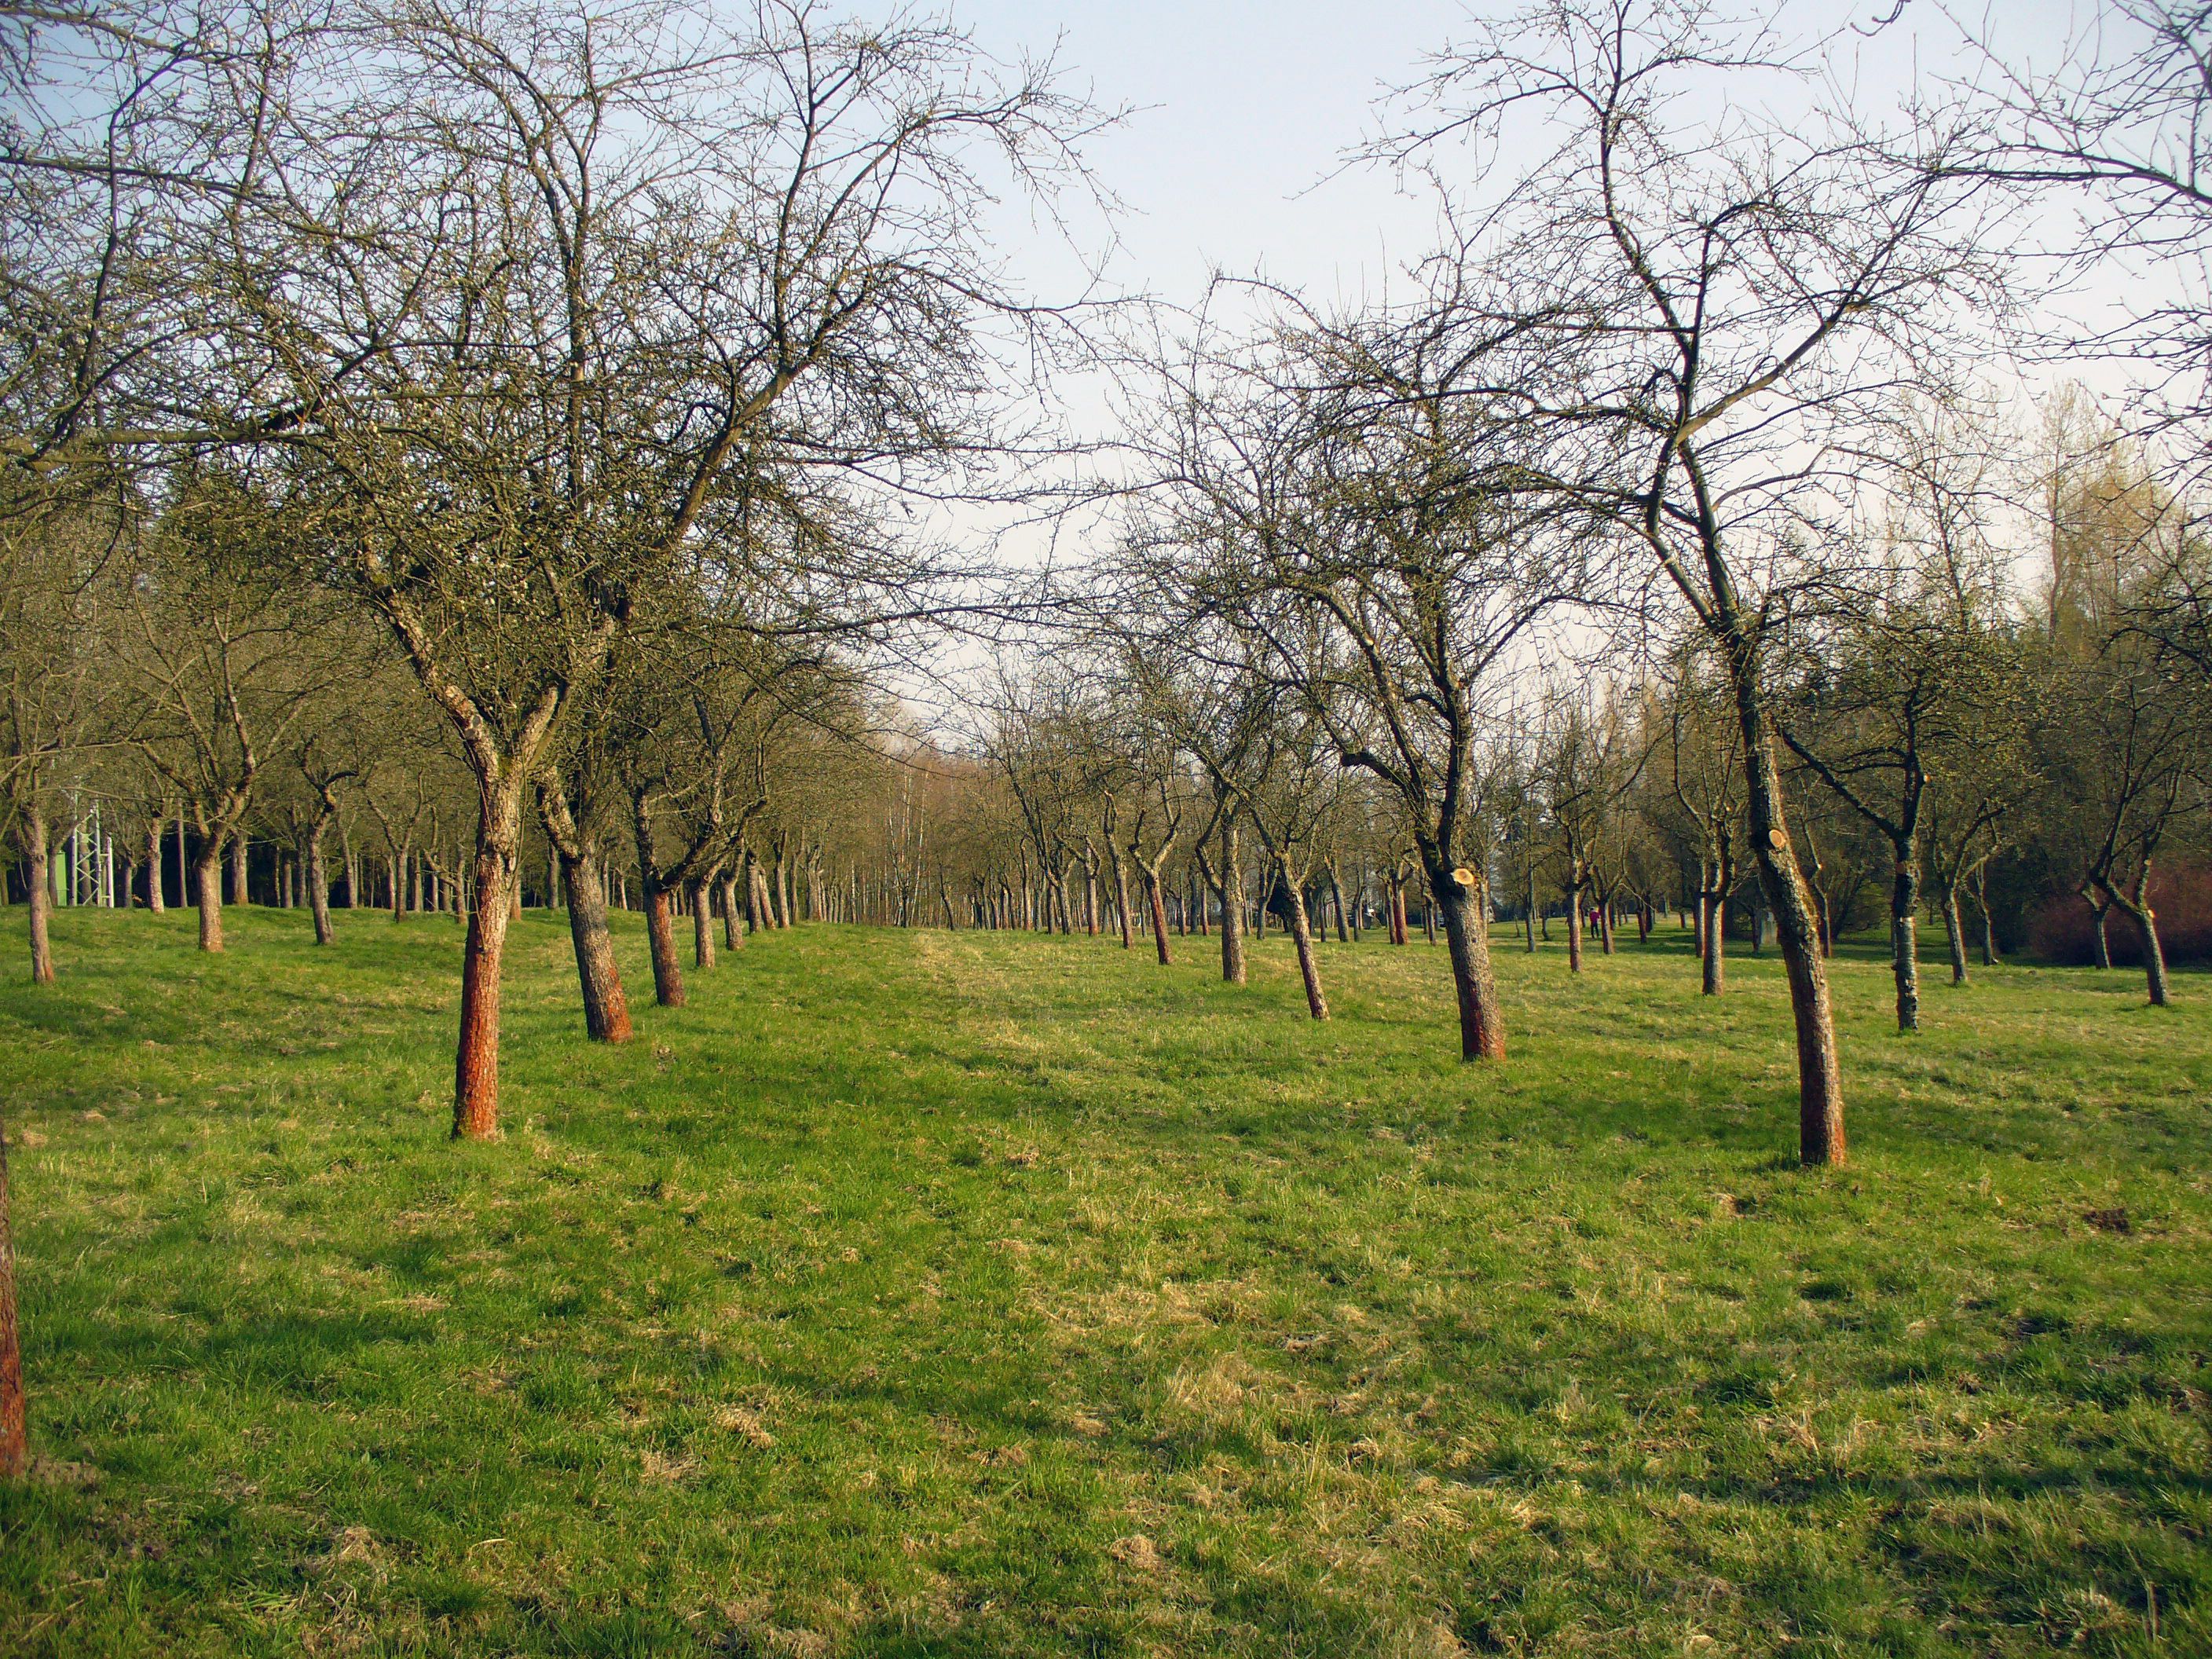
(31, 835)
(1820, 1069)
(208, 874)
(14, 1442)
(702, 924)
(1605, 925)
(1715, 905)
(2098, 911)
(239, 896)
(1231, 894)
(319, 886)
(1989, 928)
(1529, 916)
(2146, 920)
(1302, 938)
(2154, 958)
(475, 1055)
(155, 900)
(660, 941)
(733, 934)
(606, 1010)
(1575, 919)
(1904, 939)
(1954, 934)
(1482, 1022)
(1157, 903)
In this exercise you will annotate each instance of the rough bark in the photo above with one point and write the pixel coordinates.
(1819, 1070)
(1954, 935)
(207, 875)
(660, 942)
(606, 1010)
(1122, 899)
(702, 924)
(2099, 910)
(239, 896)
(1481, 1020)
(318, 885)
(2154, 958)
(31, 836)
(476, 1059)
(1715, 905)
(1230, 891)
(1302, 938)
(1575, 921)
(2137, 909)
(1903, 940)
(733, 933)
(155, 900)
(1157, 903)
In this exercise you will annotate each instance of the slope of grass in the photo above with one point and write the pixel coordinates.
(973, 1295)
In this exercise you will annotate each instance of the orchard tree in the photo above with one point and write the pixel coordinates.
(1703, 318)
(549, 284)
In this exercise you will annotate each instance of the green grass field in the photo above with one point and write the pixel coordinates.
(976, 1295)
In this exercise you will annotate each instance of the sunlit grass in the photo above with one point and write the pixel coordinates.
(977, 1295)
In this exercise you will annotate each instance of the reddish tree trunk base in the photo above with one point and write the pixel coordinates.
(1158, 906)
(660, 941)
(475, 1066)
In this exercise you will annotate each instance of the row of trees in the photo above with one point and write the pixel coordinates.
(523, 424)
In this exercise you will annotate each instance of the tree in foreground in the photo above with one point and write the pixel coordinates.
(549, 281)
(1690, 309)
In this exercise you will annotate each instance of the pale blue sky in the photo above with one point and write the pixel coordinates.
(1243, 108)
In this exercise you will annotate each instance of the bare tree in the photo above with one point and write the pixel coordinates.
(1335, 502)
(1699, 321)
(549, 282)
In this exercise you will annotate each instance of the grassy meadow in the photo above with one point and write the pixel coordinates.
(987, 1295)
